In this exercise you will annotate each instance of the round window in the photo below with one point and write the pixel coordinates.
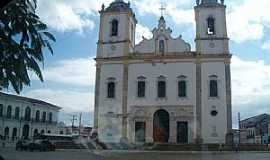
(214, 113)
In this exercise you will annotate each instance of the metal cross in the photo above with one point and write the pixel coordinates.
(162, 9)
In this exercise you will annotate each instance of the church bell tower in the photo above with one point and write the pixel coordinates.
(211, 30)
(117, 30)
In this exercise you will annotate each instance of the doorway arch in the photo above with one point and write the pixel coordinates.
(25, 134)
(161, 126)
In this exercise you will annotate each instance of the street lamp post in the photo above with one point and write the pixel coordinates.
(239, 120)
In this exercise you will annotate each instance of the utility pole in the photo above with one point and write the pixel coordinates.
(239, 120)
(72, 125)
(80, 123)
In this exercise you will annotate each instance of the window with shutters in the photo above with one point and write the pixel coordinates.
(1, 110)
(182, 87)
(27, 114)
(141, 87)
(161, 91)
(17, 113)
(111, 88)
(213, 86)
(161, 46)
(9, 112)
(114, 27)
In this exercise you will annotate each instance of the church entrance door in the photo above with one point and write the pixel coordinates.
(161, 126)
(182, 132)
(140, 131)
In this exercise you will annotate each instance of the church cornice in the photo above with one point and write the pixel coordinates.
(211, 6)
(114, 42)
(146, 57)
(212, 38)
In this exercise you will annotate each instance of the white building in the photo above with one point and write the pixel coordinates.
(22, 118)
(160, 90)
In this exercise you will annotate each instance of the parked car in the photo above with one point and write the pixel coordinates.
(22, 145)
(41, 145)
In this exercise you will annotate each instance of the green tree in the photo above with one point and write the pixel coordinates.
(23, 38)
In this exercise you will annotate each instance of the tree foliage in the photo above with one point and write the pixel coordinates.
(23, 38)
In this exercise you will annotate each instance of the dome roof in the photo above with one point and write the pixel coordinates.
(210, 2)
(118, 6)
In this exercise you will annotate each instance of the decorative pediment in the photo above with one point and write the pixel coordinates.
(162, 42)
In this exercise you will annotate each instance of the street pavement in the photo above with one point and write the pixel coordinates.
(11, 154)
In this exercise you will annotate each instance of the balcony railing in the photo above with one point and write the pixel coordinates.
(23, 119)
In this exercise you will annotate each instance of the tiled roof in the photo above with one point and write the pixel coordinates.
(256, 118)
(30, 100)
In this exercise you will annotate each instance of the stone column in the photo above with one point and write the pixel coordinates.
(173, 133)
(229, 136)
(198, 100)
(97, 88)
(124, 100)
(149, 130)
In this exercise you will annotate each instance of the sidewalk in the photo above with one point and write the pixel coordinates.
(107, 152)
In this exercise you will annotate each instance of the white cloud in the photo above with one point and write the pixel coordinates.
(142, 31)
(248, 20)
(69, 15)
(174, 9)
(250, 78)
(70, 101)
(266, 45)
(78, 72)
(250, 87)
(62, 17)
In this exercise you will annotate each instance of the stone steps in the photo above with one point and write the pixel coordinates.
(207, 147)
(69, 145)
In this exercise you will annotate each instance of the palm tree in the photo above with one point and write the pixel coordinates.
(23, 38)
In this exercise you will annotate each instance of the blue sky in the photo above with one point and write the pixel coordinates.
(70, 72)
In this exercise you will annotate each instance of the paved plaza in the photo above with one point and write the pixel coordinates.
(10, 154)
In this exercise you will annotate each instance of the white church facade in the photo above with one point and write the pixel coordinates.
(160, 90)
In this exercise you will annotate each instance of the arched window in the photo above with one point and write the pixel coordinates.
(1, 110)
(9, 112)
(211, 26)
(213, 86)
(50, 117)
(141, 87)
(132, 33)
(161, 46)
(49, 131)
(6, 134)
(114, 27)
(17, 113)
(37, 115)
(25, 132)
(14, 134)
(44, 114)
(182, 86)
(27, 114)
(35, 132)
(42, 131)
(111, 88)
(161, 87)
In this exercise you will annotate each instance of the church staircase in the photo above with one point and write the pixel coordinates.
(208, 147)
(69, 145)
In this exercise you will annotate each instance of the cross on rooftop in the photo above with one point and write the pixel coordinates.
(162, 9)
